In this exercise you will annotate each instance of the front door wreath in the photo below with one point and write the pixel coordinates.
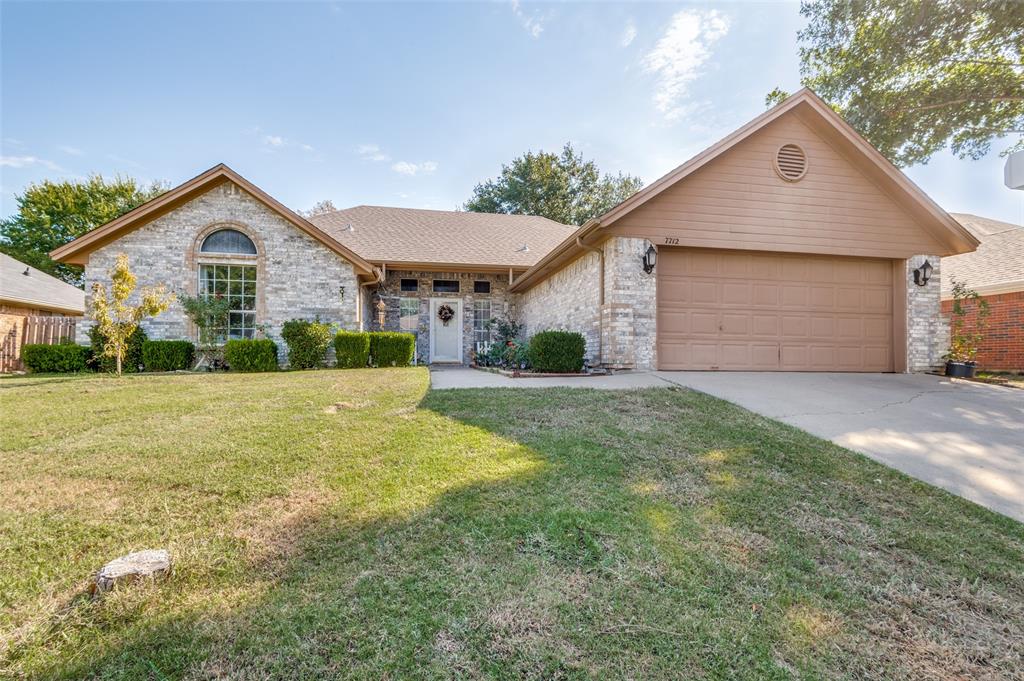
(445, 313)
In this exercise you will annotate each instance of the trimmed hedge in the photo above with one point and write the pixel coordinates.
(557, 351)
(307, 342)
(65, 358)
(130, 363)
(391, 349)
(167, 355)
(251, 355)
(352, 348)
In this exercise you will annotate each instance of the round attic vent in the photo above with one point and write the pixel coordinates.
(790, 162)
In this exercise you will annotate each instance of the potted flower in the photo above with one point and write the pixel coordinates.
(965, 335)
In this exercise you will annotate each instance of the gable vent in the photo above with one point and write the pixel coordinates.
(790, 162)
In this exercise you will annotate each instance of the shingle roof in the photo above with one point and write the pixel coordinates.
(393, 235)
(998, 262)
(38, 289)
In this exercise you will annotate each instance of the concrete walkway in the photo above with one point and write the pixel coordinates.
(967, 438)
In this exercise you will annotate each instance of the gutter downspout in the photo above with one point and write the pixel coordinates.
(379, 274)
(600, 296)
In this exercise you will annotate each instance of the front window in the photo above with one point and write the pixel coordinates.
(238, 284)
(446, 286)
(481, 318)
(228, 241)
(409, 314)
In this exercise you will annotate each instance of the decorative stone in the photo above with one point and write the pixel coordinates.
(152, 563)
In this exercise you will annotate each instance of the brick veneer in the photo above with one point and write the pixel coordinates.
(927, 331)
(1003, 345)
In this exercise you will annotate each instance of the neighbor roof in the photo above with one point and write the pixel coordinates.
(410, 236)
(998, 264)
(37, 289)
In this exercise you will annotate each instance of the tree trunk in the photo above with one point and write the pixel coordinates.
(119, 353)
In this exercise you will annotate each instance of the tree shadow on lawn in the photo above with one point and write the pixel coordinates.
(569, 534)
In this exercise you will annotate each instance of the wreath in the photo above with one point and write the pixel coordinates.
(445, 313)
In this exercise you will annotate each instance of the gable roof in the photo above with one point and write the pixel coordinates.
(410, 236)
(998, 264)
(823, 120)
(37, 289)
(77, 251)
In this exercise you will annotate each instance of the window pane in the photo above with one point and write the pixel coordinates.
(409, 314)
(481, 317)
(446, 286)
(481, 287)
(410, 285)
(228, 241)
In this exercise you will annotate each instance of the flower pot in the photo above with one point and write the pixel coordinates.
(960, 369)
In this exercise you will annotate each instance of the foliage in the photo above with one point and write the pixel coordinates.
(352, 349)
(307, 342)
(517, 355)
(167, 355)
(210, 316)
(50, 214)
(392, 349)
(249, 355)
(562, 187)
(102, 362)
(321, 207)
(505, 328)
(557, 351)
(63, 358)
(115, 318)
(964, 341)
(913, 77)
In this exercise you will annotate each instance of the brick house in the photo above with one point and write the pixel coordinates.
(996, 272)
(788, 245)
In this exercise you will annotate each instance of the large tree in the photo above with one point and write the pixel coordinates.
(914, 76)
(50, 214)
(562, 187)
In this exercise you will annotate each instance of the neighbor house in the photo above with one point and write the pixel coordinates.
(996, 272)
(789, 245)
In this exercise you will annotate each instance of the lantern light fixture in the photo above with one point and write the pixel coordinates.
(923, 273)
(650, 259)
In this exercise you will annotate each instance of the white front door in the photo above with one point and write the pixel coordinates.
(445, 339)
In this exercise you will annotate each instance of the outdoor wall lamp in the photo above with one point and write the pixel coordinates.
(923, 273)
(341, 290)
(381, 308)
(650, 259)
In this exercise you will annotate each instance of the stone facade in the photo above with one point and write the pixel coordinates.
(927, 330)
(297, 276)
(391, 293)
(568, 300)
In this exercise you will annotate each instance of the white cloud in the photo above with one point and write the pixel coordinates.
(408, 168)
(71, 151)
(28, 162)
(679, 55)
(532, 22)
(371, 152)
(273, 140)
(628, 34)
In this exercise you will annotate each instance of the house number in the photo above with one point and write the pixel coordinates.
(671, 241)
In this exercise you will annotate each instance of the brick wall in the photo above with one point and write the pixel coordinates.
(568, 300)
(1003, 345)
(927, 330)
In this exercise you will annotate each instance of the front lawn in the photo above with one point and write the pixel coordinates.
(352, 524)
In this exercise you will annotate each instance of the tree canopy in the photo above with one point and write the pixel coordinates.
(50, 214)
(562, 187)
(914, 76)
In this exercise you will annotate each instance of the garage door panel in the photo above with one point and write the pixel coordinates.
(763, 311)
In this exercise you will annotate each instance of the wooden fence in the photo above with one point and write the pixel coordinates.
(24, 330)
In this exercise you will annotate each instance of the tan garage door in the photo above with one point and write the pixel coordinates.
(756, 311)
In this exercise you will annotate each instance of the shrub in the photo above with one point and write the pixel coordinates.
(132, 361)
(64, 358)
(167, 355)
(251, 355)
(391, 349)
(307, 342)
(352, 349)
(557, 351)
(516, 355)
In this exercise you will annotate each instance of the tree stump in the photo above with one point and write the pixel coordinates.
(152, 563)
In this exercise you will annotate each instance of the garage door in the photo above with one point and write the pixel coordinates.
(755, 311)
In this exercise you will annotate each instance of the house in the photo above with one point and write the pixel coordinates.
(996, 272)
(788, 245)
(34, 308)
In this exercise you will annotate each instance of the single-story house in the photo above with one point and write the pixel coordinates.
(996, 272)
(790, 245)
(35, 307)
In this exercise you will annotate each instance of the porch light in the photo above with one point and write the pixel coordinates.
(381, 308)
(650, 259)
(923, 273)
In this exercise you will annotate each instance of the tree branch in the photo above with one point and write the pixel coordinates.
(990, 62)
(953, 102)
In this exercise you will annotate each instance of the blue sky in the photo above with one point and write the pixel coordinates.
(397, 104)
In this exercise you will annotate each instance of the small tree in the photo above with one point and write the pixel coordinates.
(114, 317)
(210, 315)
(964, 341)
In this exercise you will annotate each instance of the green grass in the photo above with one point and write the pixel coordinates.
(352, 524)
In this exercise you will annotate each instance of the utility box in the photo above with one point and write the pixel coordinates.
(1013, 172)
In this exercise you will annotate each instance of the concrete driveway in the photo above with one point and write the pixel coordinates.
(965, 437)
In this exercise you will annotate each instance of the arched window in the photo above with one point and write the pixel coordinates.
(228, 241)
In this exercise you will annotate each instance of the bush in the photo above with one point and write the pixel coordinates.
(516, 355)
(557, 351)
(391, 349)
(251, 355)
(167, 355)
(132, 361)
(307, 342)
(352, 349)
(64, 358)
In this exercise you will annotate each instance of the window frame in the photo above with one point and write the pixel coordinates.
(403, 304)
(456, 291)
(224, 230)
(482, 283)
(415, 285)
(482, 332)
(245, 330)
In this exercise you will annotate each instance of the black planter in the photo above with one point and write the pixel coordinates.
(960, 369)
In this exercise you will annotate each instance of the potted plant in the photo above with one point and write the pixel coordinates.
(965, 337)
